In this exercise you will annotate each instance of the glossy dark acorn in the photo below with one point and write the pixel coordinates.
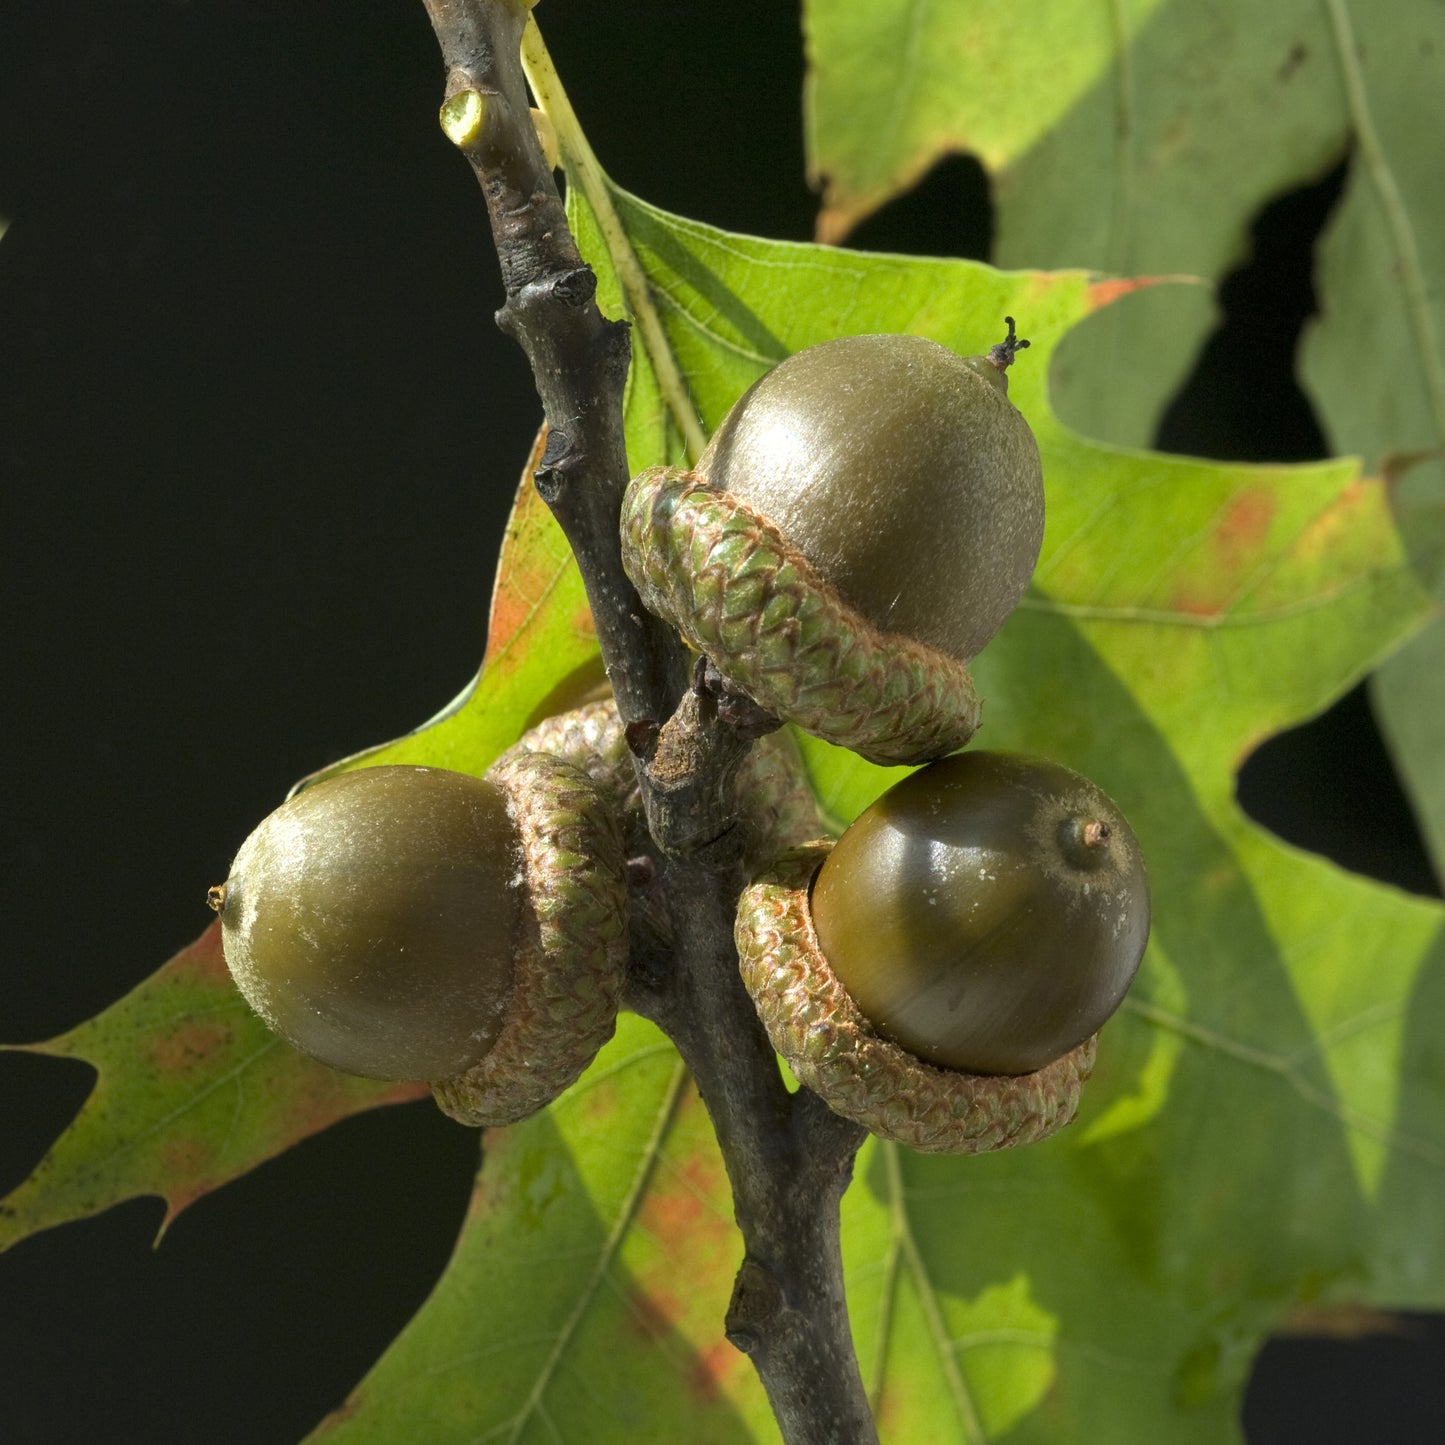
(987, 913)
(371, 920)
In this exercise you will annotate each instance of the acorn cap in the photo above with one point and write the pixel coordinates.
(729, 581)
(773, 800)
(833, 1050)
(571, 951)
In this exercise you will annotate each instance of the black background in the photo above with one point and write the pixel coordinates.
(258, 438)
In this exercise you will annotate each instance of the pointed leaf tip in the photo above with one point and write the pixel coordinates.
(191, 1091)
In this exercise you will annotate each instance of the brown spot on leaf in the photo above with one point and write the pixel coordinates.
(1297, 56)
(710, 1368)
(1104, 293)
(188, 1047)
(1191, 604)
(1241, 531)
(680, 1209)
(1245, 522)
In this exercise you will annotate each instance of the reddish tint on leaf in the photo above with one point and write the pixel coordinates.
(713, 1366)
(1191, 604)
(192, 1090)
(1105, 293)
(1323, 535)
(190, 1047)
(684, 1201)
(1245, 524)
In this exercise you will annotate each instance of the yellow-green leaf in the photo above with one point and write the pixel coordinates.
(585, 1295)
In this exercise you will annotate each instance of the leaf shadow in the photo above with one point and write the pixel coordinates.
(649, 233)
(1227, 1189)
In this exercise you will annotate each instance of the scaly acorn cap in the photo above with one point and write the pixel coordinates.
(735, 589)
(774, 802)
(834, 1051)
(571, 951)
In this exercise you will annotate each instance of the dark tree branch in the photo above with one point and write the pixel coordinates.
(788, 1312)
(579, 358)
(788, 1158)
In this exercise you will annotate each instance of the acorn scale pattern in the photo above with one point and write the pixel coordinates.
(830, 1046)
(735, 589)
(773, 797)
(570, 960)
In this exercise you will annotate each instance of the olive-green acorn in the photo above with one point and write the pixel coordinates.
(415, 923)
(858, 527)
(370, 920)
(904, 474)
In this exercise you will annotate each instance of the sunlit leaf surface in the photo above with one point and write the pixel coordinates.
(584, 1297)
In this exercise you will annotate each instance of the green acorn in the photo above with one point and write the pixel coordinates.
(859, 526)
(416, 923)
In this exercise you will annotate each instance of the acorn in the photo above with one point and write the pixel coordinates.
(941, 973)
(859, 526)
(415, 923)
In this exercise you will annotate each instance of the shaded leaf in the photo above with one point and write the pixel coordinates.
(1374, 359)
(192, 1090)
(1267, 1122)
(584, 1297)
(1408, 695)
(1136, 139)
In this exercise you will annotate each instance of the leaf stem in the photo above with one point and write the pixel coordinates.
(626, 1215)
(903, 1239)
(587, 173)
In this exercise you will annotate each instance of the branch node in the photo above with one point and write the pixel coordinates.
(642, 736)
(756, 1303)
(462, 117)
(576, 287)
